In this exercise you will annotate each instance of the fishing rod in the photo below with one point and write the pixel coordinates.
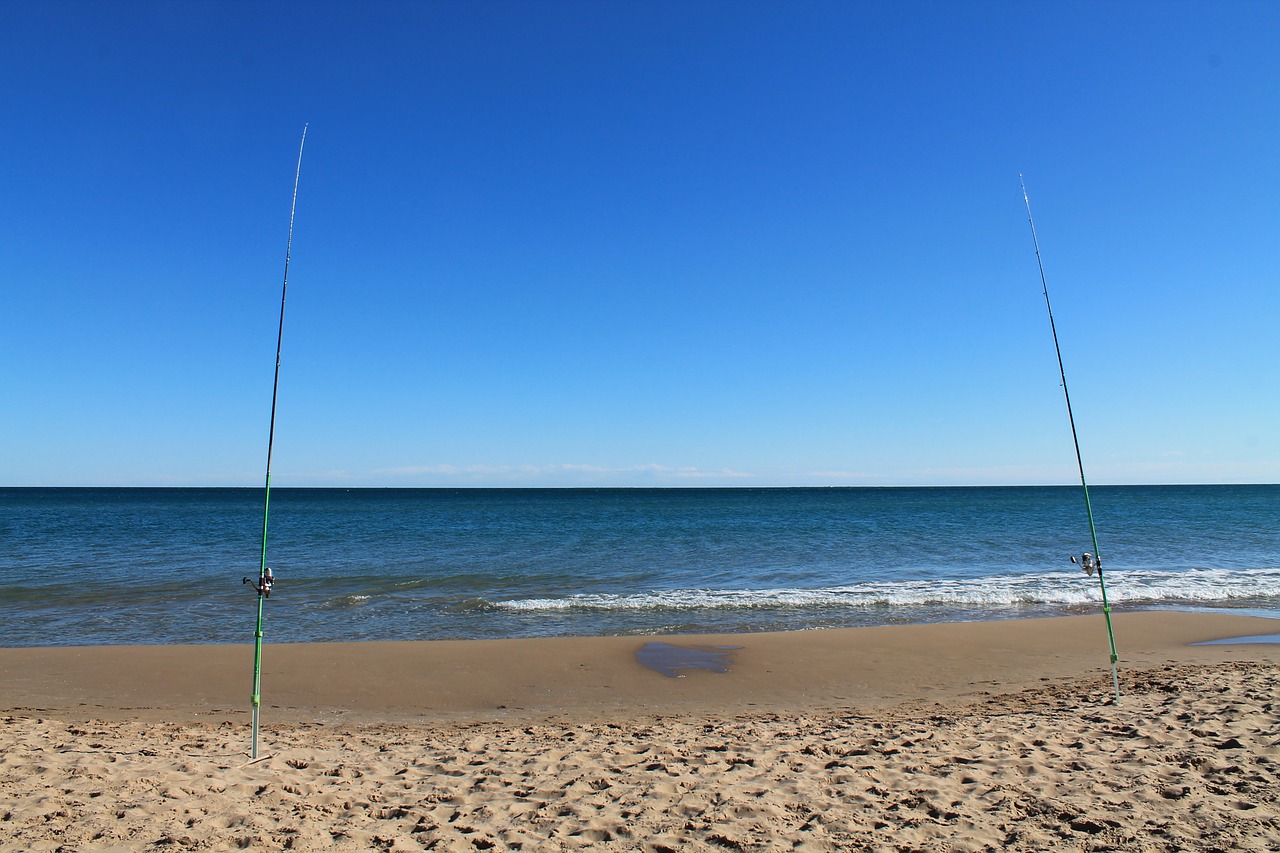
(1090, 562)
(266, 579)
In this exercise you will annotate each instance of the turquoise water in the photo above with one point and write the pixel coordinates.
(106, 566)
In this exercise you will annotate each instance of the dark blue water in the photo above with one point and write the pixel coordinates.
(98, 566)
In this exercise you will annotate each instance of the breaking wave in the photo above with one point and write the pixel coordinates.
(1196, 587)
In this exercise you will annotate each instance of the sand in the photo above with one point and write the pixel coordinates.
(976, 736)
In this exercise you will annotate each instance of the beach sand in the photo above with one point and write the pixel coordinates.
(973, 736)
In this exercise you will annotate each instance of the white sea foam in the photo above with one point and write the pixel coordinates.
(1059, 589)
(350, 600)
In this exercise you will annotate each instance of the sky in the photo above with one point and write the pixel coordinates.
(625, 243)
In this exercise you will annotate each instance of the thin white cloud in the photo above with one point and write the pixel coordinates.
(559, 473)
(845, 476)
(725, 472)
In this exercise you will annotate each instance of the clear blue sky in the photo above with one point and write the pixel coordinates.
(638, 243)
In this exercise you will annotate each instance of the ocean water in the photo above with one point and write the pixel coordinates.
(160, 566)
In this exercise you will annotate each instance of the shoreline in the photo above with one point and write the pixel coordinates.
(599, 677)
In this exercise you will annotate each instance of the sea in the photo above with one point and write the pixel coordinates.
(103, 566)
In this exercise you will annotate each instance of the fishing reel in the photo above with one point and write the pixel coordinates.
(268, 580)
(1087, 562)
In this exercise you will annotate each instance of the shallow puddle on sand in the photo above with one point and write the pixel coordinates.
(1231, 641)
(667, 658)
